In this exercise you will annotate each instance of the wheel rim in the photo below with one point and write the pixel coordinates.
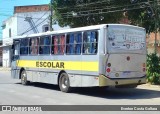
(64, 82)
(23, 77)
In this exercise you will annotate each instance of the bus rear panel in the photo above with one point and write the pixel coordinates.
(125, 62)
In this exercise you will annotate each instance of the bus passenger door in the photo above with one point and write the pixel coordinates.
(14, 58)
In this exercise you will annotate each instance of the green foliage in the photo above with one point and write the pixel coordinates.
(111, 11)
(142, 18)
(65, 8)
(153, 68)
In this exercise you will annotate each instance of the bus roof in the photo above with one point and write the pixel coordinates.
(93, 27)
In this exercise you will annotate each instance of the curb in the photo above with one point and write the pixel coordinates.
(5, 69)
(150, 85)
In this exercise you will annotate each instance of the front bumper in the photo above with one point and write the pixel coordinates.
(104, 81)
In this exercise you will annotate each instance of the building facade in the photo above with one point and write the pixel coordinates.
(151, 43)
(25, 20)
(1, 52)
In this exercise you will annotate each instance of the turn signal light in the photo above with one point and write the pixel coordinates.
(144, 69)
(109, 64)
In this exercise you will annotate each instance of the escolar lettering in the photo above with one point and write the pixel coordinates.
(50, 64)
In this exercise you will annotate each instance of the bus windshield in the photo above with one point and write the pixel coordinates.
(126, 39)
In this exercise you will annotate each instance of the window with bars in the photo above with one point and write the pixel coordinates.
(90, 42)
(44, 46)
(74, 43)
(33, 46)
(58, 44)
(24, 44)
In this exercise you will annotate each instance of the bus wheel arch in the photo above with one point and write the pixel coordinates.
(64, 82)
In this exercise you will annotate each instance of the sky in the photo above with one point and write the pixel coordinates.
(7, 7)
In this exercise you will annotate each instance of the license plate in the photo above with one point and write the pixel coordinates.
(126, 73)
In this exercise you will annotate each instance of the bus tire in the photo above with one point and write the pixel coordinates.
(24, 77)
(64, 83)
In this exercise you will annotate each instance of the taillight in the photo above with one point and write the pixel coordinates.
(108, 70)
(144, 67)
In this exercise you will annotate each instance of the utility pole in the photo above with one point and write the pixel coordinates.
(51, 15)
(155, 19)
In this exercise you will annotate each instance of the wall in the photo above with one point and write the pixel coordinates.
(38, 19)
(151, 41)
(1, 53)
(6, 56)
(10, 23)
(18, 25)
(31, 8)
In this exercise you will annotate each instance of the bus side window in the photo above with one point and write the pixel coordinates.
(71, 44)
(79, 43)
(34, 42)
(90, 39)
(24, 43)
(44, 47)
(62, 44)
(74, 42)
(86, 40)
(94, 41)
(58, 44)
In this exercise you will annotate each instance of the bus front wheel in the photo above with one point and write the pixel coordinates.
(24, 78)
(64, 83)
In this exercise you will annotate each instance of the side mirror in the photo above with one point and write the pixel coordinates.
(12, 46)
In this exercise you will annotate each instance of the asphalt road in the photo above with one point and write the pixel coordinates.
(13, 93)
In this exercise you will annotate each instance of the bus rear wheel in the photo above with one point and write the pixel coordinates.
(64, 83)
(24, 77)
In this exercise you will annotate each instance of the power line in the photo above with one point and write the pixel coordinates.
(51, 16)
(105, 10)
(87, 4)
(84, 5)
(34, 26)
(38, 20)
(101, 3)
(2, 14)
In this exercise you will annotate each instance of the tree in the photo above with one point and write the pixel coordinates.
(148, 16)
(76, 13)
